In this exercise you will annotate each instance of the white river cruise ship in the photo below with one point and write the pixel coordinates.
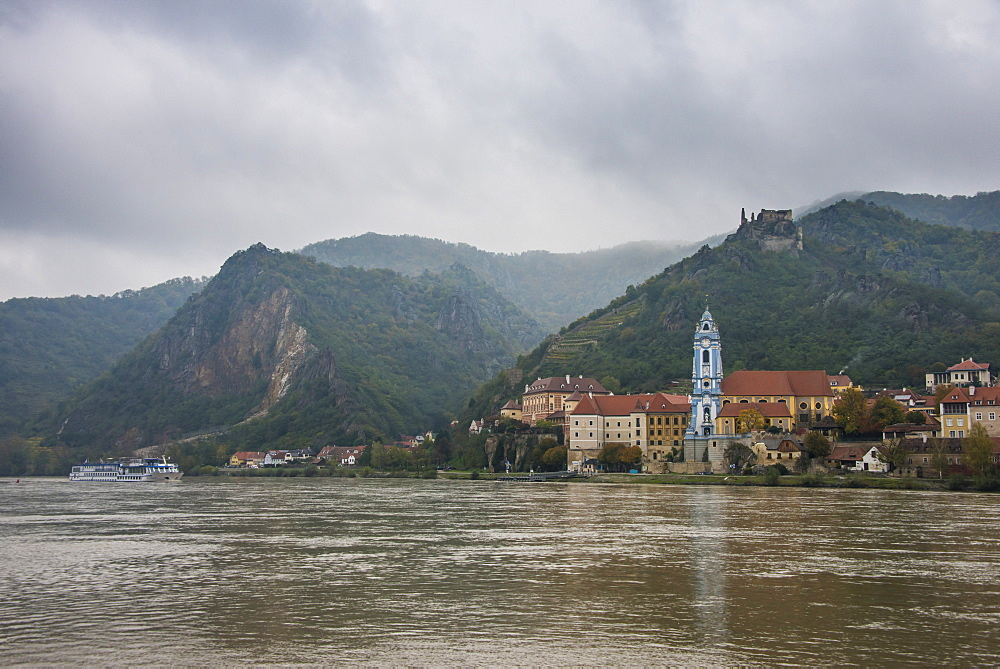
(127, 469)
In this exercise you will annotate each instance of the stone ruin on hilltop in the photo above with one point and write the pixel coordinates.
(770, 230)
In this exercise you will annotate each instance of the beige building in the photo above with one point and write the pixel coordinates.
(545, 397)
(511, 410)
(653, 422)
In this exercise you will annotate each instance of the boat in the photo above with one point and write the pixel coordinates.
(139, 470)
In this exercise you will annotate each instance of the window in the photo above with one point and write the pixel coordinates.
(951, 433)
(575, 434)
(993, 416)
(947, 421)
(961, 434)
(979, 416)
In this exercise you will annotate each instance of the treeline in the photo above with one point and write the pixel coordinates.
(50, 347)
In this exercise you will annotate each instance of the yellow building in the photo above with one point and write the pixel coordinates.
(807, 396)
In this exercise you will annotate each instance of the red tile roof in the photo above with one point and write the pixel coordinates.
(813, 383)
(969, 365)
(623, 405)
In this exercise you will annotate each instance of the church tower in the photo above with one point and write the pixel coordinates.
(706, 394)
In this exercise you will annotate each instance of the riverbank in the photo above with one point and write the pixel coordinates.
(811, 480)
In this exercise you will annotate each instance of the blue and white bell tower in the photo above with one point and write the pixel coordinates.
(706, 394)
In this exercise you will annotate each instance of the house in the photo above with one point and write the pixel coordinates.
(511, 410)
(246, 459)
(476, 426)
(964, 374)
(276, 458)
(929, 430)
(654, 422)
(856, 457)
(921, 461)
(807, 395)
(954, 414)
(546, 396)
(777, 451)
(984, 407)
(841, 382)
(346, 456)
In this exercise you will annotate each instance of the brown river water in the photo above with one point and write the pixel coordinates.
(218, 571)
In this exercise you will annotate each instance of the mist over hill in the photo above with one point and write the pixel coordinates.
(554, 288)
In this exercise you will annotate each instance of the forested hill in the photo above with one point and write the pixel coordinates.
(554, 288)
(872, 292)
(49, 347)
(977, 212)
(303, 354)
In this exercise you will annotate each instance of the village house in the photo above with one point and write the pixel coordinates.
(954, 414)
(855, 457)
(841, 382)
(246, 459)
(345, 456)
(964, 374)
(776, 451)
(984, 407)
(511, 410)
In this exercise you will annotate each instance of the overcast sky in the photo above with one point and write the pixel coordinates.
(141, 141)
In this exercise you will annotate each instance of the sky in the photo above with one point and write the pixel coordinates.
(143, 140)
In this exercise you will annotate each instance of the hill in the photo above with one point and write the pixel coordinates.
(299, 353)
(977, 212)
(554, 288)
(871, 292)
(50, 347)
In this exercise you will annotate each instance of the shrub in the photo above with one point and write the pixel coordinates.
(772, 476)
(958, 482)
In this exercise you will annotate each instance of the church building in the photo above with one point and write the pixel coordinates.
(702, 443)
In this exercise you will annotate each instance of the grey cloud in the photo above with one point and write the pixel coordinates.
(165, 127)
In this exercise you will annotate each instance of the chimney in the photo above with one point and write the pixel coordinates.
(567, 378)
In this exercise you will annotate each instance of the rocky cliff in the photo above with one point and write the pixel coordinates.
(304, 351)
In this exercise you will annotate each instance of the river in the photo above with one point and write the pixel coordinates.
(326, 571)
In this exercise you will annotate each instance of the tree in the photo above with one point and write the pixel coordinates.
(631, 456)
(611, 455)
(978, 450)
(555, 457)
(851, 411)
(749, 420)
(892, 452)
(916, 417)
(739, 455)
(939, 455)
(817, 445)
(887, 411)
